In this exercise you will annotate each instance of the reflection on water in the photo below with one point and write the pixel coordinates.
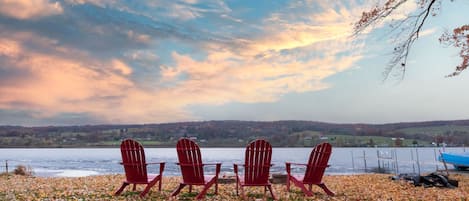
(83, 162)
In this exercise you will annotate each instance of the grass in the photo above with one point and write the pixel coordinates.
(377, 140)
(117, 143)
(434, 130)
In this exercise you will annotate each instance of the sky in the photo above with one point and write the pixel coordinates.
(80, 62)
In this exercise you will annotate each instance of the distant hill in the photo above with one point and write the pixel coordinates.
(238, 133)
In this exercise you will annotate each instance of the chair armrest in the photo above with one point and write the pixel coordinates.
(235, 168)
(318, 166)
(303, 164)
(256, 166)
(190, 164)
(162, 164)
(130, 164)
(217, 169)
(197, 164)
(162, 169)
(136, 164)
(288, 166)
(152, 163)
(211, 163)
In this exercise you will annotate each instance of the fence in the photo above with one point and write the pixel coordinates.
(5, 167)
(12, 166)
(393, 161)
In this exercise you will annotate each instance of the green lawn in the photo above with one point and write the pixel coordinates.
(435, 130)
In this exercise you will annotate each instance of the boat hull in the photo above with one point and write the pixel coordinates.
(458, 160)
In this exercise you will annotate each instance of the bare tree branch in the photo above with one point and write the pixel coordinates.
(410, 29)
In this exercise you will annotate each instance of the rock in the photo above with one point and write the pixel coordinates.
(226, 179)
(278, 179)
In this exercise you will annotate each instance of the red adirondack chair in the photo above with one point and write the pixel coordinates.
(192, 168)
(315, 168)
(256, 167)
(133, 160)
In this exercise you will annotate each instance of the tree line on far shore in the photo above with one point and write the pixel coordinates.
(239, 133)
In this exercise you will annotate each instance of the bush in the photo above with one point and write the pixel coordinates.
(23, 170)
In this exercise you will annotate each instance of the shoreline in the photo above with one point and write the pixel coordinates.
(205, 146)
(346, 187)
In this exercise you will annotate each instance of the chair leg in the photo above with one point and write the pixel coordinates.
(237, 186)
(175, 192)
(145, 191)
(305, 190)
(288, 183)
(135, 187)
(160, 184)
(190, 188)
(124, 184)
(149, 185)
(216, 187)
(243, 196)
(202, 193)
(302, 186)
(271, 192)
(324, 187)
(209, 184)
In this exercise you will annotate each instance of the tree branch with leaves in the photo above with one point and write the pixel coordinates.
(408, 30)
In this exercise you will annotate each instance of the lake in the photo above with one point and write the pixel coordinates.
(67, 162)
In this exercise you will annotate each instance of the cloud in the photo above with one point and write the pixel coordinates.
(29, 9)
(186, 10)
(427, 32)
(49, 85)
(55, 84)
(288, 56)
(312, 23)
(121, 67)
(113, 28)
(100, 3)
(54, 78)
(401, 13)
(298, 35)
(9, 48)
(95, 70)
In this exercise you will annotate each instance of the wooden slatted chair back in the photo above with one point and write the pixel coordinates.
(317, 163)
(257, 162)
(190, 161)
(133, 159)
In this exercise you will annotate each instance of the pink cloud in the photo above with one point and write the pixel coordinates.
(29, 9)
(55, 84)
(76, 82)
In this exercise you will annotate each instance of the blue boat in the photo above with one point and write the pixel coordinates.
(460, 161)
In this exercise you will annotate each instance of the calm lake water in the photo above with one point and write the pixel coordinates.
(63, 162)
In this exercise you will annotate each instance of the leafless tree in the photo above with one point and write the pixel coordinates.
(408, 29)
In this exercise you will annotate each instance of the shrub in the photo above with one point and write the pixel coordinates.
(23, 170)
